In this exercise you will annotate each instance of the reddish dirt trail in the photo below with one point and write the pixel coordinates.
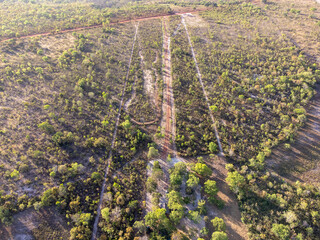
(168, 147)
(93, 26)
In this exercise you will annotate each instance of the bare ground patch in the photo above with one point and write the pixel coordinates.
(231, 215)
(42, 225)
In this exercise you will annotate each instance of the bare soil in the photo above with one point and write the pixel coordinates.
(231, 215)
(44, 224)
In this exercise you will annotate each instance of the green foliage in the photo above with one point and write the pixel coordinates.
(152, 152)
(235, 181)
(194, 216)
(218, 224)
(177, 174)
(49, 197)
(213, 147)
(15, 174)
(46, 127)
(201, 207)
(105, 213)
(219, 236)
(62, 139)
(210, 188)
(281, 231)
(158, 221)
(202, 169)
(139, 226)
(192, 181)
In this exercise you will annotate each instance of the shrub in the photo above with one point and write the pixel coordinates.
(202, 169)
(46, 127)
(219, 236)
(281, 231)
(152, 152)
(218, 224)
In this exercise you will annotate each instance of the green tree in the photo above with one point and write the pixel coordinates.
(174, 198)
(201, 207)
(152, 153)
(46, 127)
(192, 181)
(139, 226)
(105, 213)
(202, 169)
(281, 231)
(194, 216)
(210, 188)
(176, 216)
(158, 221)
(126, 124)
(218, 224)
(235, 181)
(49, 196)
(213, 147)
(219, 236)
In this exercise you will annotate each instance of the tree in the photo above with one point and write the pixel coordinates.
(210, 188)
(174, 198)
(5, 215)
(202, 169)
(194, 216)
(46, 127)
(218, 224)
(139, 226)
(235, 181)
(281, 231)
(175, 178)
(105, 213)
(180, 167)
(158, 221)
(152, 152)
(49, 196)
(213, 147)
(100, 142)
(176, 216)
(192, 181)
(219, 236)
(126, 124)
(201, 207)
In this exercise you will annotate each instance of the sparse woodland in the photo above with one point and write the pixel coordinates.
(63, 135)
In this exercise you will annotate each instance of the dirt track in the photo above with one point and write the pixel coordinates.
(95, 226)
(93, 26)
(168, 96)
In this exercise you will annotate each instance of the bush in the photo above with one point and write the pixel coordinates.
(281, 231)
(219, 236)
(218, 224)
(46, 127)
(202, 169)
(153, 153)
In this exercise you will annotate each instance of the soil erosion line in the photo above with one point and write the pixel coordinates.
(202, 86)
(96, 221)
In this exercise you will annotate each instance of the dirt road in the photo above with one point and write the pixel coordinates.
(90, 27)
(168, 146)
